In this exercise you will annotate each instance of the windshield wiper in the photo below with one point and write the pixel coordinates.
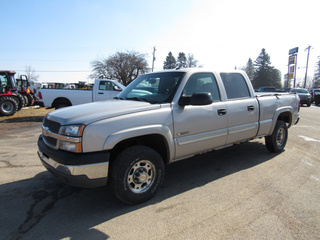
(138, 98)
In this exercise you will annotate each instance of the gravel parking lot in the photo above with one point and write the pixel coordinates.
(242, 192)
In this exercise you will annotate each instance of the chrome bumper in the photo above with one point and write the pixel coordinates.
(80, 170)
(88, 176)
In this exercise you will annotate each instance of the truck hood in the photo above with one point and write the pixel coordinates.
(92, 112)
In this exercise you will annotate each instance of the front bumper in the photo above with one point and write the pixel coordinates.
(81, 170)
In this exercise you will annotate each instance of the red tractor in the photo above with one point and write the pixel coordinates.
(24, 88)
(10, 99)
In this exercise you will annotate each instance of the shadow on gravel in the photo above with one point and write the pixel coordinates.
(23, 119)
(53, 210)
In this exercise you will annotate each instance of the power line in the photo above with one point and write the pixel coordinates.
(56, 71)
(36, 60)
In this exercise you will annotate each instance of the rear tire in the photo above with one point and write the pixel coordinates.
(136, 174)
(20, 99)
(278, 139)
(8, 106)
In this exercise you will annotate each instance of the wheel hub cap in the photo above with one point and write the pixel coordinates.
(280, 137)
(141, 176)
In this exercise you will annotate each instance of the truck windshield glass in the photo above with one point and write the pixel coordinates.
(153, 88)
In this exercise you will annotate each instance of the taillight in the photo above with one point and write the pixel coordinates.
(40, 95)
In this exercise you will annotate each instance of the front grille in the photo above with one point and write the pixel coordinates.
(51, 125)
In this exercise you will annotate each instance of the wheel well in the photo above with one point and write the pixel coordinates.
(154, 141)
(61, 101)
(286, 117)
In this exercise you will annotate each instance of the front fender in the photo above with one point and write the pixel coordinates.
(122, 135)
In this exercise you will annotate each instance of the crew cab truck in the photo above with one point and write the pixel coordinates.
(160, 118)
(103, 89)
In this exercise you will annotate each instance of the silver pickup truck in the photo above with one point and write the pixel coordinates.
(158, 119)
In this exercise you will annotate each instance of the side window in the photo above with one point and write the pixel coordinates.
(235, 85)
(202, 82)
(3, 81)
(106, 85)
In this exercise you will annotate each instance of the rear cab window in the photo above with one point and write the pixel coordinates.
(235, 85)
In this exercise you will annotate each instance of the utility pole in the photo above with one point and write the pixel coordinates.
(154, 57)
(305, 78)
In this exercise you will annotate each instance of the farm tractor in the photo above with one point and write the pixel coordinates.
(24, 87)
(11, 100)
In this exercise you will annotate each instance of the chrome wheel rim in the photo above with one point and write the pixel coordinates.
(141, 176)
(281, 136)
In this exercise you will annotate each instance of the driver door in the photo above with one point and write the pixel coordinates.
(200, 128)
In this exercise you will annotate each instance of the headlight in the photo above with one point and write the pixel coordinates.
(73, 141)
(72, 130)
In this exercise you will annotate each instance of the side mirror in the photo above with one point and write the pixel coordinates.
(116, 88)
(198, 99)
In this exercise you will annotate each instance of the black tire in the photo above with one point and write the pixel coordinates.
(136, 174)
(8, 106)
(278, 139)
(61, 103)
(20, 99)
(29, 100)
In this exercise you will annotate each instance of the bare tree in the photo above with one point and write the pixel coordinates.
(122, 66)
(191, 61)
(99, 68)
(31, 74)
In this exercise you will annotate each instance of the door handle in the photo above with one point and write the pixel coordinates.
(222, 111)
(250, 108)
(100, 92)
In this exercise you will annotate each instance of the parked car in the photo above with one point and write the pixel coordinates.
(317, 97)
(304, 95)
(312, 91)
(267, 89)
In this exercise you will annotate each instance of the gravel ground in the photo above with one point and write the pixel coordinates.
(23, 118)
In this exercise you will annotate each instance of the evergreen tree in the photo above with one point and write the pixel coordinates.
(316, 79)
(170, 62)
(265, 74)
(182, 60)
(249, 69)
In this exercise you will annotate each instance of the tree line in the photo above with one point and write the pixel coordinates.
(126, 66)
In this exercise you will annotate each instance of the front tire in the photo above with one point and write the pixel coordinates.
(136, 174)
(278, 139)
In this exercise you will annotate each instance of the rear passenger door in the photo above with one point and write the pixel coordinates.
(242, 108)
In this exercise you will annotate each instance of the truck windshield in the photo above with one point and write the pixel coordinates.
(153, 88)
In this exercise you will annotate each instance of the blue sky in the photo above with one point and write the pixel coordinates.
(60, 38)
